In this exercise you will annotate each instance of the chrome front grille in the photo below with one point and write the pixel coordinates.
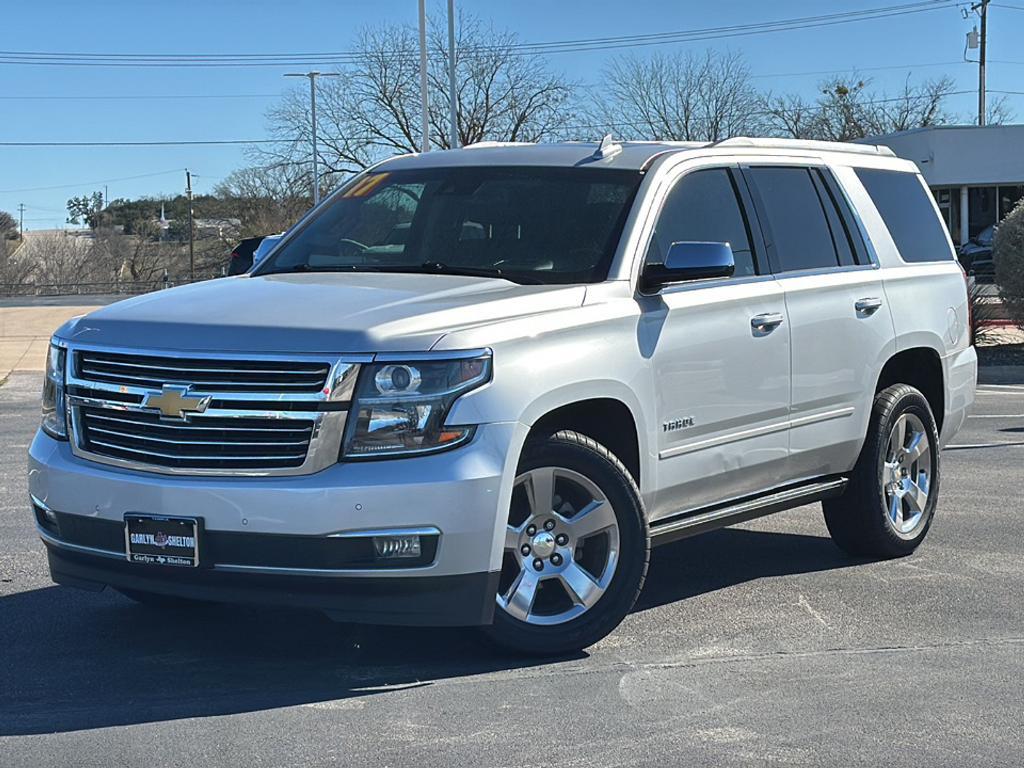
(261, 415)
(201, 442)
(210, 375)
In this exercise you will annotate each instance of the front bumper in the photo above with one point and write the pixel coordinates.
(263, 528)
(460, 600)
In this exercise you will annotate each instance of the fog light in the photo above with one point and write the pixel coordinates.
(388, 547)
(46, 517)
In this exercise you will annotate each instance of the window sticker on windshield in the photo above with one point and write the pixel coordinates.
(367, 185)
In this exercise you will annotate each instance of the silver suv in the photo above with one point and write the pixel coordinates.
(474, 387)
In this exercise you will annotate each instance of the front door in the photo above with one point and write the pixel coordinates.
(720, 354)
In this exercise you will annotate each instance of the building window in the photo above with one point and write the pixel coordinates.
(981, 208)
(1008, 198)
(948, 200)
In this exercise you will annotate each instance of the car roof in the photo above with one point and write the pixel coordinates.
(628, 155)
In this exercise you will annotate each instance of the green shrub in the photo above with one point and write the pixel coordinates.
(1008, 254)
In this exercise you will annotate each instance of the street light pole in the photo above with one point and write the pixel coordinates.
(424, 96)
(453, 99)
(191, 230)
(312, 103)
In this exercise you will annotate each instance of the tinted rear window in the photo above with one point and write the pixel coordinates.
(908, 213)
(796, 227)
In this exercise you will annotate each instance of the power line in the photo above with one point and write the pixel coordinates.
(90, 183)
(212, 142)
(522, 49)
(860, 69)
(139, 97)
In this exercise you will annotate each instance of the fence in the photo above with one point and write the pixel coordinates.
(107, 288)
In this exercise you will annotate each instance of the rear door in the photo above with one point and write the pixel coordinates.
(719, 351)
(841, 327)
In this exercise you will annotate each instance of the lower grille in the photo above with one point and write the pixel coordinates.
(203, 442)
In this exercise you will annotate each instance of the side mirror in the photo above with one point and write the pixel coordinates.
(689, 260)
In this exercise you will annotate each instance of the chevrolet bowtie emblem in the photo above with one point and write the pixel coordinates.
(173, 402)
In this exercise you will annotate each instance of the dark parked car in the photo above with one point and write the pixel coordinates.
(241, 256)
(976, 255)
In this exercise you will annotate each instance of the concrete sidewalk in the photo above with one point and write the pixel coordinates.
(27, 324)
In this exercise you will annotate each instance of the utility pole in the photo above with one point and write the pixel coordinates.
(453, 98)
(424, 96)
(191, 230)
(312, 103)
(21, 221)
(981, 8)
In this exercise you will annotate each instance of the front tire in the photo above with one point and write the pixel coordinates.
(576, 548)
(889, 504)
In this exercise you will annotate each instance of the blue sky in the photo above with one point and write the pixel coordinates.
(229, 103)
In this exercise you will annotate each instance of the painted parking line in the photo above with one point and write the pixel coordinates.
(996, 416)
(997, 444)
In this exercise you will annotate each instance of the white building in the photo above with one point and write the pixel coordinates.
(976, 174)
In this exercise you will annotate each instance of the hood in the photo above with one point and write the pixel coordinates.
(327, 312)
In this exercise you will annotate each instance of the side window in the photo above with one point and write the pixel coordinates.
(794, 221)
(840, 237)
(840, 205)
(906, 208)
(704, 205)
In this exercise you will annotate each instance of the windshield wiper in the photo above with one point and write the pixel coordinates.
(427, 267)
(515, 277)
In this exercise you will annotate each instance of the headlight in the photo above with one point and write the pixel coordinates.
(54, 417)
(400, 408)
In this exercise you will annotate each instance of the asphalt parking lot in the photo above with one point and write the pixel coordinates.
(758, 645)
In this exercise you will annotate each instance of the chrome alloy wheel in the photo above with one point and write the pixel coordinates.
(906, 474)
(561, 547)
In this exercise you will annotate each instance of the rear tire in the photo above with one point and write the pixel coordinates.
(890, 501)
(577, 548)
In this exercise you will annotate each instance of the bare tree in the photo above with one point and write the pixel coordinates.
(681, 96)
(15, 269)
(847, 109)
(130, 258)
(372, 110)
(61, 258)
(267, 198)
(998, 111)
(8, 226)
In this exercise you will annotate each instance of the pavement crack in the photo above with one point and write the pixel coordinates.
(803, 603)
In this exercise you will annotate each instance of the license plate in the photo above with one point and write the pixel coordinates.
(157, 540)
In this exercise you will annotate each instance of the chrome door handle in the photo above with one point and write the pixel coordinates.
(867, 306)
(766, 322)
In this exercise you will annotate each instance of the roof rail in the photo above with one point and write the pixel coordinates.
(489, 144)
(817, 146)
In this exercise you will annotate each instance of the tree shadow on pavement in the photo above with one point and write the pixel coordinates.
(73, 660)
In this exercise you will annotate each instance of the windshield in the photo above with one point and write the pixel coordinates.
(529, 225)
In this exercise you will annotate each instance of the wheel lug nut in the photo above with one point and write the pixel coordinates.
(556, 559)
(561, 539)
(538, 564)
(549, 525)
(525, 549)
(531, 529)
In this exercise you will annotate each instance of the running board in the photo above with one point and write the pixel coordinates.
(719, 516)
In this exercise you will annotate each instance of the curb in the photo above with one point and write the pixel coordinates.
(1001, 374)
